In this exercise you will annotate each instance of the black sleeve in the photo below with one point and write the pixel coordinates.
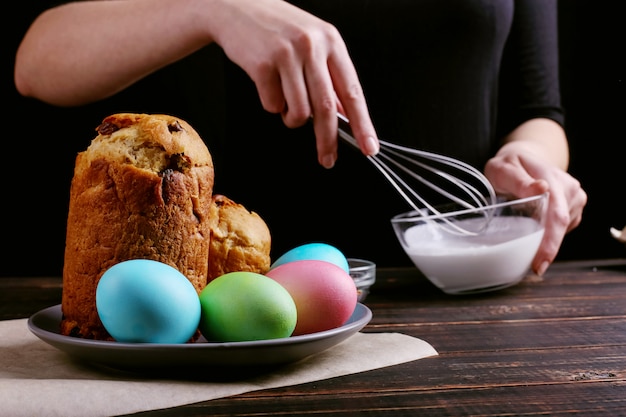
(529, 83)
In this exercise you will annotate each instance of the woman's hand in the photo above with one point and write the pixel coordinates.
(301, 68)
(520, 169)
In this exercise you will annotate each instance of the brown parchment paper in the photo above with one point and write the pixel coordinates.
(37, 379)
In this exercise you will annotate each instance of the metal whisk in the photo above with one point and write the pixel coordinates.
(464, 184)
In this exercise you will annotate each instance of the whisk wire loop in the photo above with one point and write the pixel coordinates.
(476, 196)
(394, 160)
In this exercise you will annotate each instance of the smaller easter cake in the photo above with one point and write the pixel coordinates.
(240, 239)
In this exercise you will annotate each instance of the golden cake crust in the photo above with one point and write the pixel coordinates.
(240, 239)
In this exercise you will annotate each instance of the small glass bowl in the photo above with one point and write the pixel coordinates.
(363, 273)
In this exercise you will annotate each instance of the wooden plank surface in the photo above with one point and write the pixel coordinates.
(554, 346)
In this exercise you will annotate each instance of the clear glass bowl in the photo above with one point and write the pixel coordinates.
(497, 252)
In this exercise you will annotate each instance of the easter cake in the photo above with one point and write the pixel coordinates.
(240, 239)
(142, 189)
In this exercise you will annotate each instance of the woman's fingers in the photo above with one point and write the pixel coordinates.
(301, 68)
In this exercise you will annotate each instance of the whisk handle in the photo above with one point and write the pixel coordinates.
(344, 123)
(344, 130)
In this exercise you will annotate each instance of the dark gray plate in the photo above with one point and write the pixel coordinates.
(139, 356)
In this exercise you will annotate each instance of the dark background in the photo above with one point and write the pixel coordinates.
(40, 142)
(593, 78)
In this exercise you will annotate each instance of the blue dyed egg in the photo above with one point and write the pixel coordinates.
(314, 252)
(145, 301)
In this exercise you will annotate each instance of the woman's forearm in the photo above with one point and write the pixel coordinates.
(94, 49)
(542, 137)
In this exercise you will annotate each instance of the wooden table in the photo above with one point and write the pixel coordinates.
(547, 347)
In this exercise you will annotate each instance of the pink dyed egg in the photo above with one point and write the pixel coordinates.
(325, 295)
